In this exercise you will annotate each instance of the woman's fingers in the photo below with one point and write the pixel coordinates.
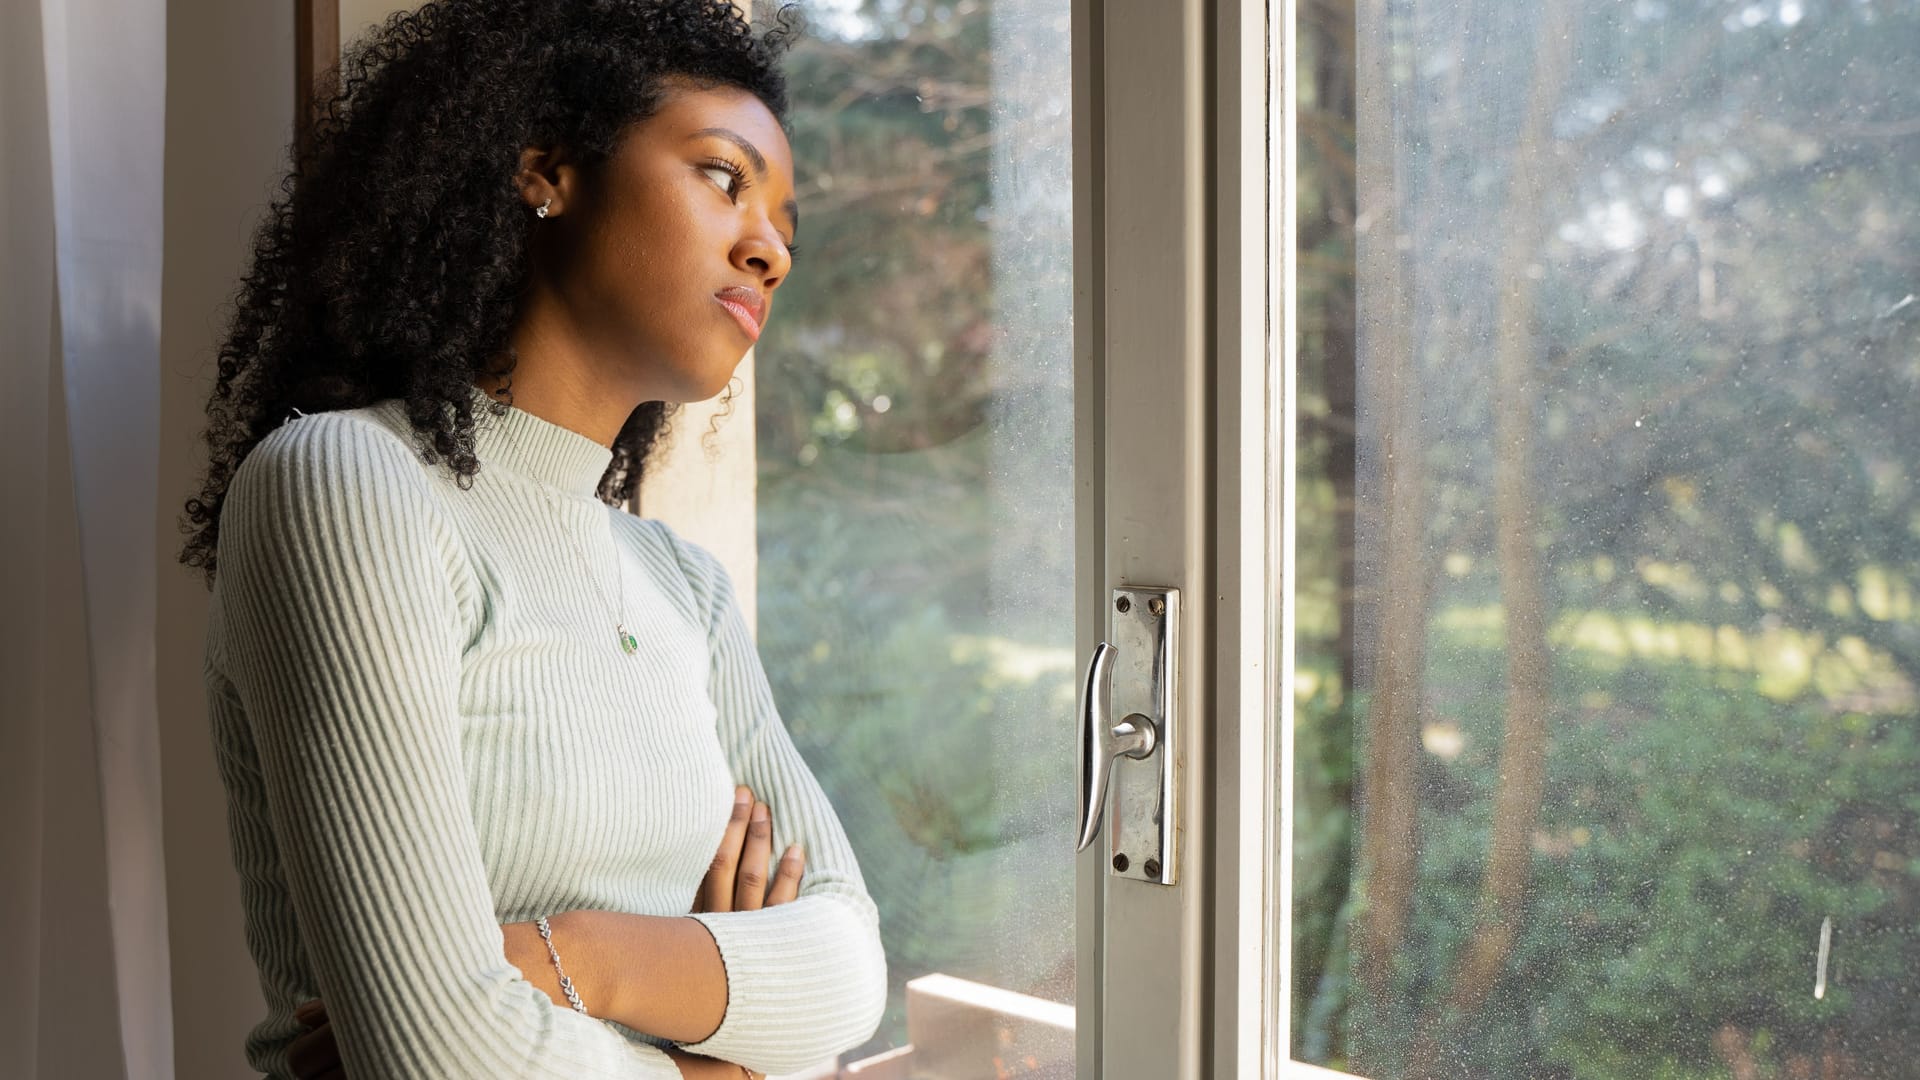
(737, 879)
(786, 880)
(314, 1054)
(717, 889)
(750, 880)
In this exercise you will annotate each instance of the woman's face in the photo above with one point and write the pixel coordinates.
(673, 249)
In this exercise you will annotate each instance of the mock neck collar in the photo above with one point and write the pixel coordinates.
(538, 449)
(519, 442)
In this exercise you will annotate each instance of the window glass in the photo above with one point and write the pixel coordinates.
(1607, 740)
(915, 506)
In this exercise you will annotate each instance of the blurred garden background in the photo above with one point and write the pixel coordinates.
(1610, 359)
(1609, 351)
(915, 437)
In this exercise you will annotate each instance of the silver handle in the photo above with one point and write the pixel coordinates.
(1096, 703)
(1133, 737)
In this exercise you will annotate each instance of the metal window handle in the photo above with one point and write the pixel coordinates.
(1137, 798)
(1134, 737)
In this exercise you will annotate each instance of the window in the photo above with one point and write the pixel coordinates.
(915, 508)
(1606, 755)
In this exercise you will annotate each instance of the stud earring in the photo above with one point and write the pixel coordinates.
(541, 210)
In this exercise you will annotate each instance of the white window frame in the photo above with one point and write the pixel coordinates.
(1183, 231)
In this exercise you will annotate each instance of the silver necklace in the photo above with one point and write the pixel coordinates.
(627, 641)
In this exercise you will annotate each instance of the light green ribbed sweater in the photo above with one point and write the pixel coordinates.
(427, 728)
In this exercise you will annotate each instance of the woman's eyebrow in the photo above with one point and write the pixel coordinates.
(754, 158)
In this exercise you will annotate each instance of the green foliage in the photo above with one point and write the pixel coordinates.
(913, 445)
(1723, 451)
(1692, 841)
(1724, 358)
(934, 748)
(892, 297)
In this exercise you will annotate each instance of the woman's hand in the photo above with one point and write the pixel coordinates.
(737, 880)
(313, 1055)
(695, 1067)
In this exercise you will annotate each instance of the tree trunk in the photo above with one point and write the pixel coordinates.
(1523, 601)
(1390, 380)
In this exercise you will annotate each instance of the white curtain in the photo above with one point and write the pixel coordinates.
(83, 891)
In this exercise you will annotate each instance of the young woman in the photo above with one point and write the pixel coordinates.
(478, 727)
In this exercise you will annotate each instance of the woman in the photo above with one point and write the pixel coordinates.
(483, 734)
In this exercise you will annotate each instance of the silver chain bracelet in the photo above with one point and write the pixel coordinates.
(566, 984)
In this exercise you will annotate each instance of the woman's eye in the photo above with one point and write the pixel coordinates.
(726, 179)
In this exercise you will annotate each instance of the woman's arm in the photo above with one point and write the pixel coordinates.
(315, 1056)
(807, 979)
(659, 974)
(342, 642)
(687, 995)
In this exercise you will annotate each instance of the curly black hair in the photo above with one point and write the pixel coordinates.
(391, 263)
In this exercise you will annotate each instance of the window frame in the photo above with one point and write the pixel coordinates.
(1183, 286)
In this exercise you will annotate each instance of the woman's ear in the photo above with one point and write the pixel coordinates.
(546, 173)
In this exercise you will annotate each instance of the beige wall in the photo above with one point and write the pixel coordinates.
(229, 119)
(358, 16)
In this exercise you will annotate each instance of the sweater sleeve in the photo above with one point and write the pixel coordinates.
(806, 979)
(337, 576)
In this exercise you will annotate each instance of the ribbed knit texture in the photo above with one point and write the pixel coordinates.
(427, 728)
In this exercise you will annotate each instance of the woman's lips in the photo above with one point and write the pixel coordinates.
(742, 316)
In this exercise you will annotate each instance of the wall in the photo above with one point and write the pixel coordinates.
(229, 120)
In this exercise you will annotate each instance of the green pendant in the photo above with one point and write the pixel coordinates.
(628, 642)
